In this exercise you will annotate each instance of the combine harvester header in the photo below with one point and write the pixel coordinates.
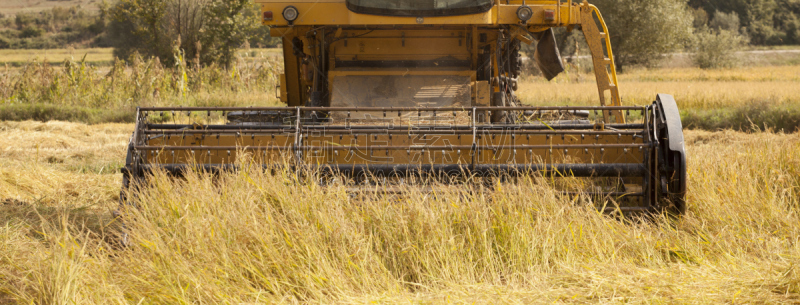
(398, 88)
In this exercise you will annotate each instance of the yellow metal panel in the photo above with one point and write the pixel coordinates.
(403, 72)
(280, 32)
(336, 13)
(283, 89)
(483, 18)
(204, 154)
(484, 93)
(366, 149)
(312, 13)
(507, 14)
(402, 48)
(474, 47)
(570, 14)
(292, 70)
(333, 74)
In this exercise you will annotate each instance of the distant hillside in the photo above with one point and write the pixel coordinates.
(55, 27)
(12, 7)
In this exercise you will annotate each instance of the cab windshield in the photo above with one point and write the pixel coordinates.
(419, 8)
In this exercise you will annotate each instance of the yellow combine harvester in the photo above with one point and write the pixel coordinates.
(419, 87)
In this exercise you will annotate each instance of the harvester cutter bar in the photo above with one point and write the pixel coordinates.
(419, 128)
(411, 147)
(395, 109)
(391, 131)
(485, 170)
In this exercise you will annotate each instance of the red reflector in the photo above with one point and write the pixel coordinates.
(549, 15)
(268, 16)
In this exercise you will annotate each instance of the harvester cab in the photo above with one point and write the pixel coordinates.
(417, 87)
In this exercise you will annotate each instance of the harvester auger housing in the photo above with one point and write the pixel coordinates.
(395, 88)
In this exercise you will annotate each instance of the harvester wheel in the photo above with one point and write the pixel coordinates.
(671, 156)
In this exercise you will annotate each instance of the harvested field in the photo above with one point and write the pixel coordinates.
(253, 237)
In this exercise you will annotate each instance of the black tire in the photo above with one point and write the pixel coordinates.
(671, 156)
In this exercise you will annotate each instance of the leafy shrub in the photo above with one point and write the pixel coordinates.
(5, 43)
(716, 49)
(31, 32)
(725, 22)
(23, 20)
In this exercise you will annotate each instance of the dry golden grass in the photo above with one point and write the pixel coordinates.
(27, 6)
(708, 99)
(257, 238)
(689, 94)
(80, 91)
(48, 162)
(95, 56)
(693, 88)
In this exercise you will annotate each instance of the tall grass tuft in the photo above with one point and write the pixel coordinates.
(94, 94)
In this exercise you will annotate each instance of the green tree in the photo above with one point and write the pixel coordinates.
(700, 17)
(137, 26)
(728, 22)
(229, 26)
(642, 30)
(208, 30)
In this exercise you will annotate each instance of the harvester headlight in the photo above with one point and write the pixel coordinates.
(524, 13)
(290, 13)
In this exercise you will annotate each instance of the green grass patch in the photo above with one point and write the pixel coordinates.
(746, 118)
(752, 117)
(49, 112)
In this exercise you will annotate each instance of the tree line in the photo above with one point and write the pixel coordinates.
(208, 31)
(766, 22)
(204, 32)
(711, 31)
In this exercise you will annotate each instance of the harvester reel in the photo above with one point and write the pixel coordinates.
(670, 166)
